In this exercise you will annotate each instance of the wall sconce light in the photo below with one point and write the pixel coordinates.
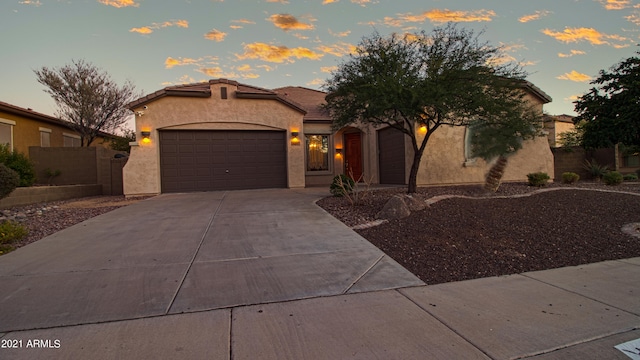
(294, 138)
(146, 136)
(338, 152)
(423, 128)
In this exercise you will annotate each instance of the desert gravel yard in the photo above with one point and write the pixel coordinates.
(466, 238)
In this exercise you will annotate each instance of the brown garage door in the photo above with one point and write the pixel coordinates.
(199, 160)
(391, 158)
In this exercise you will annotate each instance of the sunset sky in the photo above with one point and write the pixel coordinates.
(273, 43)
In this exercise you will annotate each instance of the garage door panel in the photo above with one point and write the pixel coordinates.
(207, 160)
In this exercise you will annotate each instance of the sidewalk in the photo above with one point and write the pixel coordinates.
(268, 275)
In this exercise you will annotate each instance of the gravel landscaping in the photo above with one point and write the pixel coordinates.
(466, 238)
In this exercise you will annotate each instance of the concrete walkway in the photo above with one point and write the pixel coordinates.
(266, 274)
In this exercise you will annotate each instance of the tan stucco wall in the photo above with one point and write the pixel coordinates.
(443, 161)
(559, 128)
(26, 132)
(142, 172)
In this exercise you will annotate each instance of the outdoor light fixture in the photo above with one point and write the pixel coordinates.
(423, 127)
(338, 152)
(294, 138)
(146, 136)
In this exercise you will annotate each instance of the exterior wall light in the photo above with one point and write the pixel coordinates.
(423, 128)
(146, 136)
(338, 152)
(294, 138)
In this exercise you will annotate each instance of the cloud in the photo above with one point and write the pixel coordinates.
(361, 2)
(340, 34)
(325, 2)
(572, 53)
(574, 76)
(277, 54)
(155, 26)
(288, 22)
(615, 4)
(315, 82)
(339, 49)
(215, 35)
(440, 16)
(30, 2)
(278, 1)
(535, 16)
(171, 62)
(328, 69)
(634, 18)
(591, 35)
(119, 3)
(241, 22)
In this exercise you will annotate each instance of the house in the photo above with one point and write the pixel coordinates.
(224, 135)
(22, 128)
(556, 125)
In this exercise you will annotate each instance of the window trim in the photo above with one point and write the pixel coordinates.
(72, 136)
(45, 131)
(12, 124)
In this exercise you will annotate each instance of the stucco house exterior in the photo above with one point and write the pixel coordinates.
(22, 128)
(224, 135)
(556, 125)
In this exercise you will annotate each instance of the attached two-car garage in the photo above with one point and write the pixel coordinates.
(208, 160)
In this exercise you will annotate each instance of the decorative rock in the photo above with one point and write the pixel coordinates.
(395, 208)
(414, 204)
(20, 215)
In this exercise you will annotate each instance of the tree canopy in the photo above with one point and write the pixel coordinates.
(87, 97)
(446, 77)
(609, 113)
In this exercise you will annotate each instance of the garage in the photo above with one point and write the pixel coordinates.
(391, 159)
(209, 160)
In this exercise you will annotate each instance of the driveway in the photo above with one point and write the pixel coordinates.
(181, 253)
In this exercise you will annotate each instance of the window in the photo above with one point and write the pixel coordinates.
(317, 147)
(469, 156)
(45, 137)
(6, 132)
(71, 140)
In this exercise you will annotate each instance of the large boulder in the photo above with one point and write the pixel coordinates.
(414, 203)
(395, 208)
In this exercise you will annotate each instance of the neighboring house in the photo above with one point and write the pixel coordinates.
(22, 128)
(223, 135)
(555, 125)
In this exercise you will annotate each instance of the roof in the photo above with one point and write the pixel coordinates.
(29, 113)
(311, 100)
(559, 118)
(203, 89)
(537, 92)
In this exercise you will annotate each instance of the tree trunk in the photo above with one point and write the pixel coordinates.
(494, 177)
(413, 175)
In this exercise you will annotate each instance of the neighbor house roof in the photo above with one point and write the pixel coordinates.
(203, 89)
(311, 100)
(537, 92)
(34, 115)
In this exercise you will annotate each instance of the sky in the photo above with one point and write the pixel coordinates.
(562, 44)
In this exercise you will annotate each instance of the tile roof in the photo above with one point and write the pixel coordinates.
(203, 89)
(311, 100)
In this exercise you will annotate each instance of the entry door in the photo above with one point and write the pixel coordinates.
(353, 155)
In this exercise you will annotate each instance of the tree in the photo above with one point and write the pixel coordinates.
(121, 143)
(87, 98)
(608, 113)
(499, 138)
(447, 77)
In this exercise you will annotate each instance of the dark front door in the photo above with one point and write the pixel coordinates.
(353, 155)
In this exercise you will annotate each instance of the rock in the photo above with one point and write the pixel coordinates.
(414, 204)
(21, 215)
(395, 208)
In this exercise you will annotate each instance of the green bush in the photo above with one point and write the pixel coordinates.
(19, 163)
(570, 178)
(341, 185)
(612, 178)
(596, 170)
(10, 233)
(538, 179)
(630, 177)
(9, 180)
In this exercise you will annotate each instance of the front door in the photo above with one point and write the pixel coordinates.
(353, 155)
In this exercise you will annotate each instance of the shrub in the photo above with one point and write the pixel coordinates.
(570, 177)
(341, 185)
(10, 233)
(19, 163)
(538, 179)
(630, 177)
(596, 170)
(612, 178)
(9, 180)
